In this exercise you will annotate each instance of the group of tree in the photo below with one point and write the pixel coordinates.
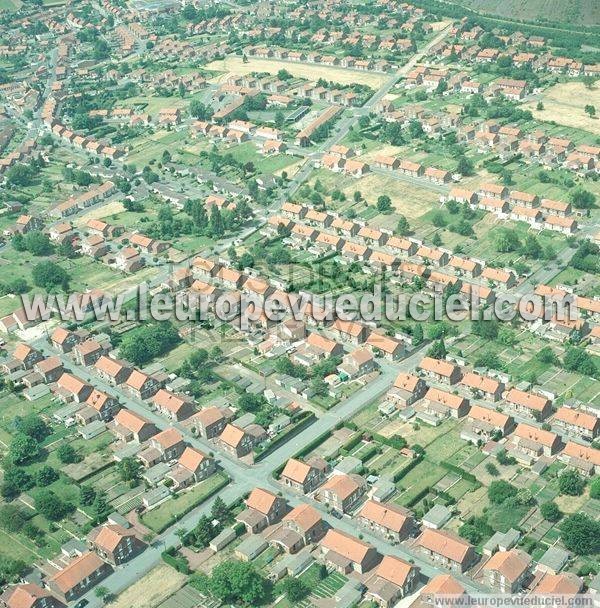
(234, 582)
(49, 275)
(144, 343)
(35, 242)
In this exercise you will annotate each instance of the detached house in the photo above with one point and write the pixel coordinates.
(387, 520)
(506, 571)
(209, 422)
(439, 370)
(71, 388)
(263, 508)
(128, 426)
(485, 423)
(28, 595)
(482, 387)
(113, 371)
(193, 466)
(531, 443)
(115, 544)
(447, 550)
(301, 527)
(141, 385)
(174, 407)
(393, 579)
(583, 458)
(346, 553)
(342, 492)
(64, 340)
(407, 389)
(238, 442)
(303, 477)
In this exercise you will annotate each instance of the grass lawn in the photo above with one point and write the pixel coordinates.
(175, 507)
(446, 446)
(502, 519)
(425, 474)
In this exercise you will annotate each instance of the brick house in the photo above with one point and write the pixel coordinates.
(115, 544)
(302, 476)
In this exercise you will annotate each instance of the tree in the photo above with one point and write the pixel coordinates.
(219, 510)
(101, 508)
(590, 110)
(438, 219)
(295, 589)
(571, 483)
(540, 106)
(32, 425)
(38, 243)
(492, 469)
(49, 275)
(507, 241)
(436, 240)
(23, 448)
(581, 198)
(16, 480)
(50, 505)
(501, 490)
(20, 175)
(547, 355)
(11, 570)
(199, 110)
(464, 166)
(532, 248)
(129, 468)
(579, 360)
(595, 488)
(12, 518)
(144, 343)
(437, 350)
(217, 228)
(384, 203)
(102, 592)
(45, 476)
(581, 534)
(550, 511)
(87, 494)
(66, 454)
(234, 581)
(204, 532)
(403, 227)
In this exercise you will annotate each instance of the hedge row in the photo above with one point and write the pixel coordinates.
(398, 475)
(178, 562)
(417, 497)
(459, 471)
(173, 520)
(304, 420)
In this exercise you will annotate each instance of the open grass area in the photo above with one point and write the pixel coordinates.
(153, 588)
(239, 65)
(564, 103)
